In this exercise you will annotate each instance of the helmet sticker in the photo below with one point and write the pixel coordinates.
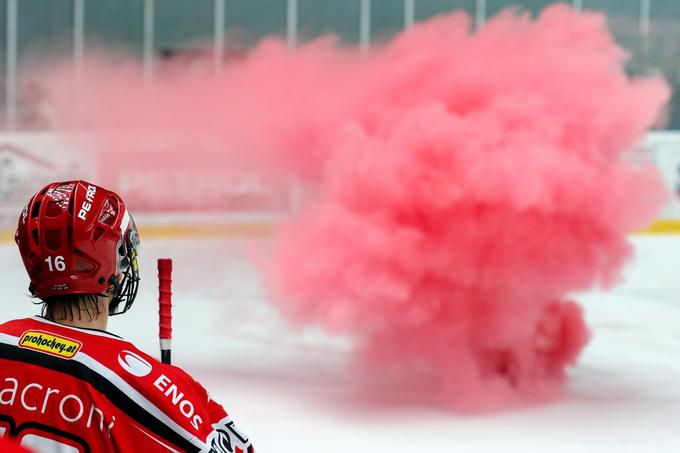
(87, 203)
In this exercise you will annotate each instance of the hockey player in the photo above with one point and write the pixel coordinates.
(68, 385)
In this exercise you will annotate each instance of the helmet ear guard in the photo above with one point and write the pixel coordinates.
(125, 290)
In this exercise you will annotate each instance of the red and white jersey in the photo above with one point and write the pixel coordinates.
(66, 389)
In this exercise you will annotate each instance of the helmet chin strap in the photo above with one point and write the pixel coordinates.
(117, 296)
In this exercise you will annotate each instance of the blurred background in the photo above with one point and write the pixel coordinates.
(212, 31)
(177, 34)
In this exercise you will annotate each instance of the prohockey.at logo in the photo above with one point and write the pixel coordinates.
(134, 364)
(50, 343)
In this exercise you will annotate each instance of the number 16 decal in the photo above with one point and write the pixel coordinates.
(59, 263)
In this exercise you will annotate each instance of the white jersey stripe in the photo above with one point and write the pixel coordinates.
(156, 440)
(86, 331)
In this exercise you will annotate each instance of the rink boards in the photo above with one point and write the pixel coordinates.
(173, 199)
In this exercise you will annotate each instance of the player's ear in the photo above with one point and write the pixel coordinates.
(111, 290)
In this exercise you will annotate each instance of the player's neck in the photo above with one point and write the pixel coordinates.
(99, 323)
(81, 316)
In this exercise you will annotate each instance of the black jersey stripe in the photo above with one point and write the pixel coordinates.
(116, 396)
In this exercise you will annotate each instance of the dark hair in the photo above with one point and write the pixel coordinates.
(70, 305)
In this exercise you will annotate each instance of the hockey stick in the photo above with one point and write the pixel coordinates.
(165, 308)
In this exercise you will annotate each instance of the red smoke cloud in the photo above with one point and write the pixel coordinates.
(464, 184)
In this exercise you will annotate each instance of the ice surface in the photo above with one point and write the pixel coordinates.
(289, 391)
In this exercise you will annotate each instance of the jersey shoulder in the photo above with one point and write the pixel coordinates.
(166, 388)
(130, 378)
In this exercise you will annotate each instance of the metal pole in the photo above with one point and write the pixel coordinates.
(78, 35)
(365, 24)
(219, 10)
(409, 13)
(11, 65)
(480, 14)
(645, 27)
(78, 55)
(292, 24)
(577, 4)
(148, 38)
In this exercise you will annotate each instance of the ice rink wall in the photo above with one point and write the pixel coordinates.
(177, 32)
(221, 204)
(166, 201)
(663, 148)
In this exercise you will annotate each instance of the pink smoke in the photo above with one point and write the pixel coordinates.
(464, 184)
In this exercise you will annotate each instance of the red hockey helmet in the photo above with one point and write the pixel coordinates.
(78, 238)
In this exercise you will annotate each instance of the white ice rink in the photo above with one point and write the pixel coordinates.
(290, 393)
